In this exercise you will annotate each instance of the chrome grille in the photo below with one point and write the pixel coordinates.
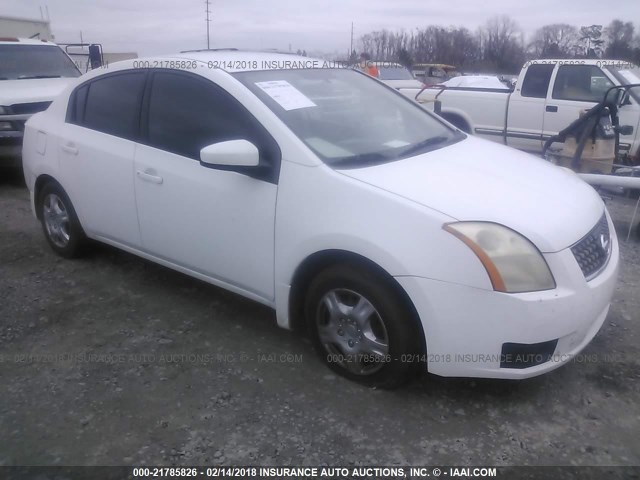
(592, 252)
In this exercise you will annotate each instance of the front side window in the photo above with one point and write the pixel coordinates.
(345, 117)
(585, 83)
(24, 62)
(112, 104)
(536, 81)
(188, 113)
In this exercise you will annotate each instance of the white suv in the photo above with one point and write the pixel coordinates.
(32, 74)
(398, 240)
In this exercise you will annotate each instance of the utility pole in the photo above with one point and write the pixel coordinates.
(351, 47)
(207, 3)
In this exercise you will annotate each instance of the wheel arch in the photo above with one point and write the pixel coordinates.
(316, 262)
(458, 118)
(41, 181)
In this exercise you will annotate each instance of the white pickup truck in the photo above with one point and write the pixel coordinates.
(32, 74)
(548, 96)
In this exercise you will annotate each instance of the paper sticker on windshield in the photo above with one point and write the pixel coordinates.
(287, 96)
(629, 76)
(396, 143)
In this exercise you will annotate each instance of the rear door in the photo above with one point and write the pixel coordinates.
(576, 88)
(96, 150)
(525, 116)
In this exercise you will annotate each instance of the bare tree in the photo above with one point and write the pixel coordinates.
(591, 37)
(554, 41)
(620, 40)
(501, 41)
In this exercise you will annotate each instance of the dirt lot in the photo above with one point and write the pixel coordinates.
(112, 360)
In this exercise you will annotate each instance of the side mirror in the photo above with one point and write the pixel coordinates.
(95, 56)
(232, 153)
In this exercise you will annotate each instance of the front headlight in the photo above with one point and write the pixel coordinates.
(513, 263)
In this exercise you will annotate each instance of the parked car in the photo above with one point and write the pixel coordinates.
(399, 241)
(548, 96)
(396, 75)
(32, 73)
(432, 73)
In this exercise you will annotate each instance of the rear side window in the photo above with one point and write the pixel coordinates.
(187, 114)
(536, 81)
(585, 83)
(111, 104)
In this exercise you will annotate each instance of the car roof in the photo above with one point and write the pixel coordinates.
(601, 62)
(231, 60)
(25, 41)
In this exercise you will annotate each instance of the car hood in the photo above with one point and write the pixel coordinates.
(31, 90)
(479, 180)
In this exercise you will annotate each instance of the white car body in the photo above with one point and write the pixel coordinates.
(252, 236)
(474, 81)
(523, 121)
(21, 98)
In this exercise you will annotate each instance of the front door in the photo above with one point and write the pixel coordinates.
(214, 222)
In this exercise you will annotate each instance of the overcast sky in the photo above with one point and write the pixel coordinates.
(167, 26)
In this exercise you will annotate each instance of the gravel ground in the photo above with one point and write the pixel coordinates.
(112, 360)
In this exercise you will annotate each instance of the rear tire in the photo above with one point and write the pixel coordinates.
(60, 223)
(362, 328)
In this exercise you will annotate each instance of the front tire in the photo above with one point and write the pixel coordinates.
(362, 328)
(60, 223)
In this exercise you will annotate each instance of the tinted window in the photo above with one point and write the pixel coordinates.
(113, 104)
(187, 114)
(536, 81)
(585, 83)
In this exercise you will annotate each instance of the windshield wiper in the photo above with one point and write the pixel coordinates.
(423, 144)
(362, 158)
(29, 77)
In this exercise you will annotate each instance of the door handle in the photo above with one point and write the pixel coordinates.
(149, 177)
(69, 148)
(552, 108)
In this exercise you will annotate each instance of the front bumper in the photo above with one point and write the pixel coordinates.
(10, 149)
(466, 328)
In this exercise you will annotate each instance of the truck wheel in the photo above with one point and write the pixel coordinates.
(361, 327)
(60, 223)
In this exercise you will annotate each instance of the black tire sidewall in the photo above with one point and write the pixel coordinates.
(76, 233)
(402, 328)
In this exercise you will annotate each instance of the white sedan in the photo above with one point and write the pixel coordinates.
(400, 242)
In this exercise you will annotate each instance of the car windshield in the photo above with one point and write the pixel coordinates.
(347, 118)
(21, 62)
(394, 72)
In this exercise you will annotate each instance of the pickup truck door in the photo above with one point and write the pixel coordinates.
(575, 88)
(525, 115)
(214, 222)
